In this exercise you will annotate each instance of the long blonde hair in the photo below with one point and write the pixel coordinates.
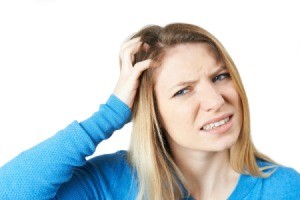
(149, 154)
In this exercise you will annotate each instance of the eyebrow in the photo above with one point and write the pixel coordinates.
(182, 83)
(219, 68)
(189, 82)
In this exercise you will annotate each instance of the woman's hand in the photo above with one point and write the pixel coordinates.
(128, 82)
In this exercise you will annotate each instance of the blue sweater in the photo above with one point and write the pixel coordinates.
(57, 169)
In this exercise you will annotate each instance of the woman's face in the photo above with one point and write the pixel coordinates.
(198, 104)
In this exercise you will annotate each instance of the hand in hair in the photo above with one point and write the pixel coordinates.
(128, 82)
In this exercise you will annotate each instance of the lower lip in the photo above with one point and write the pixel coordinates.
(220, 129)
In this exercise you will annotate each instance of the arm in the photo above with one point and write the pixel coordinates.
(38, 173)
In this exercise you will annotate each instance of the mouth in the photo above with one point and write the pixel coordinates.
(216, 123)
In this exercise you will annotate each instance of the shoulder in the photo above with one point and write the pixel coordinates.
(108, 176)
(114, 175)
(282, 181)
(284, 176)
(114, 163)
(279, 172)
(114, 169)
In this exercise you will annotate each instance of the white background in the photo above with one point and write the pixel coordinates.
(59, 61)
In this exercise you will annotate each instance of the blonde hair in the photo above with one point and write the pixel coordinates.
(149, 154)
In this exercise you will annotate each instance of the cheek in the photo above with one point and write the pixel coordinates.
(233, 98)
(177, 116)
(230, 94)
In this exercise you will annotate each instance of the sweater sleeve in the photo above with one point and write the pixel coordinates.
(39, 172)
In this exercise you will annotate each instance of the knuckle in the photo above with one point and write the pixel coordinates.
(138, 65)
(125, 51)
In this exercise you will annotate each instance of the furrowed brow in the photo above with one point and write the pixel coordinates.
(183, 83)
(190, 82)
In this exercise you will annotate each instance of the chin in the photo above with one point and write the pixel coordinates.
(223, 145)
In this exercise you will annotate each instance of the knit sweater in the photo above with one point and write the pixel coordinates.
(57, 168)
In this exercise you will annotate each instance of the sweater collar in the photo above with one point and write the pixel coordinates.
(244, 186)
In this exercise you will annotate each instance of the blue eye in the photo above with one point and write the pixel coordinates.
(181, 92)
(221, 77)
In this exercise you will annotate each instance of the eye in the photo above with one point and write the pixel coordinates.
(182, 92)
(221, 77)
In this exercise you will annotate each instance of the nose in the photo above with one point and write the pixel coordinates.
(211, 98)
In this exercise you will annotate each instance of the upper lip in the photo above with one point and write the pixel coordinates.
(216, 119)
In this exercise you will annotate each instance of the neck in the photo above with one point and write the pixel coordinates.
(207, 173)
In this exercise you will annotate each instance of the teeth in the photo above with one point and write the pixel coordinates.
(215, 124)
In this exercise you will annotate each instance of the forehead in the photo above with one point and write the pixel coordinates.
(187, 60)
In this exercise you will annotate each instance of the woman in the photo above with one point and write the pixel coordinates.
(190, 140)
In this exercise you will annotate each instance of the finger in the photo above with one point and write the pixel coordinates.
(130, 42)
(140, 67)
(124, 50)
(127, 54)
(146, 47)
(143, 46)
